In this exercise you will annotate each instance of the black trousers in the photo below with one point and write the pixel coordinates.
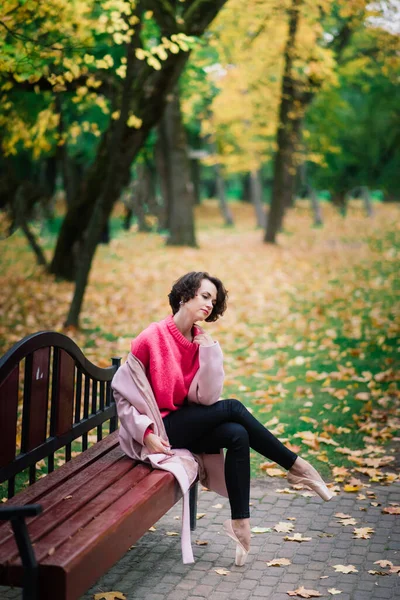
(227, 424)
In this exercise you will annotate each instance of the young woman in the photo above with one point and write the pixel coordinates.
(181, 360)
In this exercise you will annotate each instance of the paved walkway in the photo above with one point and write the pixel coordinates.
(153, 570)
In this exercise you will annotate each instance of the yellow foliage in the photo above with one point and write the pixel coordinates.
(249, 38)
(134, 122)
(45, 44)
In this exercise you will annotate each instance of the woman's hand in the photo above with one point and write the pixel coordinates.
(156, 445)
(203, 339)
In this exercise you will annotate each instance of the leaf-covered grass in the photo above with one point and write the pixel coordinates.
(311, 323)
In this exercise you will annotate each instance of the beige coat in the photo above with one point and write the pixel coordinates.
(137, 410)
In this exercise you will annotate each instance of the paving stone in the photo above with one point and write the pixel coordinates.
(311, 575)
(203, 590)
(177, 595)
(240, 595)
(226, 586)
(247, 584)
(382, 594)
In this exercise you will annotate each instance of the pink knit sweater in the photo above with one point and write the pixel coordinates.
(171, 363)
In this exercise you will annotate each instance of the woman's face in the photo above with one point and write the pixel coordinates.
(200, 307)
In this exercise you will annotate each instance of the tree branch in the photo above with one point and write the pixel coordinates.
(107, 88)
(200, 14)
(165, 15)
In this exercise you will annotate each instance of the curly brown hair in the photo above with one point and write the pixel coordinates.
(185, 289)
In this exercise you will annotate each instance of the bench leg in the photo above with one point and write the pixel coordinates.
(28, 559)
(193, 506)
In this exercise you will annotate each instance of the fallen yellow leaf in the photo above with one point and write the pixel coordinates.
(222, 571)
(110, 596)
(345, 569)
(301, 592)
(271, 471)
(383, 563)
(297, 537)
(279, 562)
(260, 529)
(352, 488)
(394, 569)
(363, 533)
(282, 527)
(391, 510)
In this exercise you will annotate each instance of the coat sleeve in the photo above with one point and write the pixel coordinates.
(207, 384)
(127, 398)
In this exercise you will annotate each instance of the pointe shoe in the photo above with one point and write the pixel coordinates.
(318, 487)
(241, 552)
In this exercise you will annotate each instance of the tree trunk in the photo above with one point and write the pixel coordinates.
(316, 207)
(72, 173)
(148, 95)
(307, 191)
(70, 237)
(287, 136)
(161, 157)
(181, 232)
(246, 188)
(22, 221)
(366, 196)
(256, 198)
(139, 196)
(105, 200)
(195, 178)
(126, 223)
(223, 205)
(340, 201)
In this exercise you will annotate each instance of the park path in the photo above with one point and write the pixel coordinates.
(152, 570)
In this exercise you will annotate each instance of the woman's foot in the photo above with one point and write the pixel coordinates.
(241, 527)
(303, 473)
(239, 531)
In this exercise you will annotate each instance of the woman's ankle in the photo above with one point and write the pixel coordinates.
(302, 468)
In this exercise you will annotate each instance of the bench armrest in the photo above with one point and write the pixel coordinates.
(19, 512)
(17, 515)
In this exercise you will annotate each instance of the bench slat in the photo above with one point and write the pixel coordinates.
(64, 397)
(85, 485)
(90, 511)
(8, 417)
(36, 394)
(35, 493)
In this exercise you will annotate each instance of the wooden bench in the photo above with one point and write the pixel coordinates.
(89, 511)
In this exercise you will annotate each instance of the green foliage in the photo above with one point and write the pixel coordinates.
(356, 127)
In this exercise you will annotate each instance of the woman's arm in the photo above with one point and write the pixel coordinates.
(207, 384)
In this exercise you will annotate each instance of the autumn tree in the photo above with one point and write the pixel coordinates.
(148, 90)
(274, 60)
(353, 127)
(133, 54)
(305, 76)
(253, 43)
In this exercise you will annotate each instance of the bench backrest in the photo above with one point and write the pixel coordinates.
(50, 395)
